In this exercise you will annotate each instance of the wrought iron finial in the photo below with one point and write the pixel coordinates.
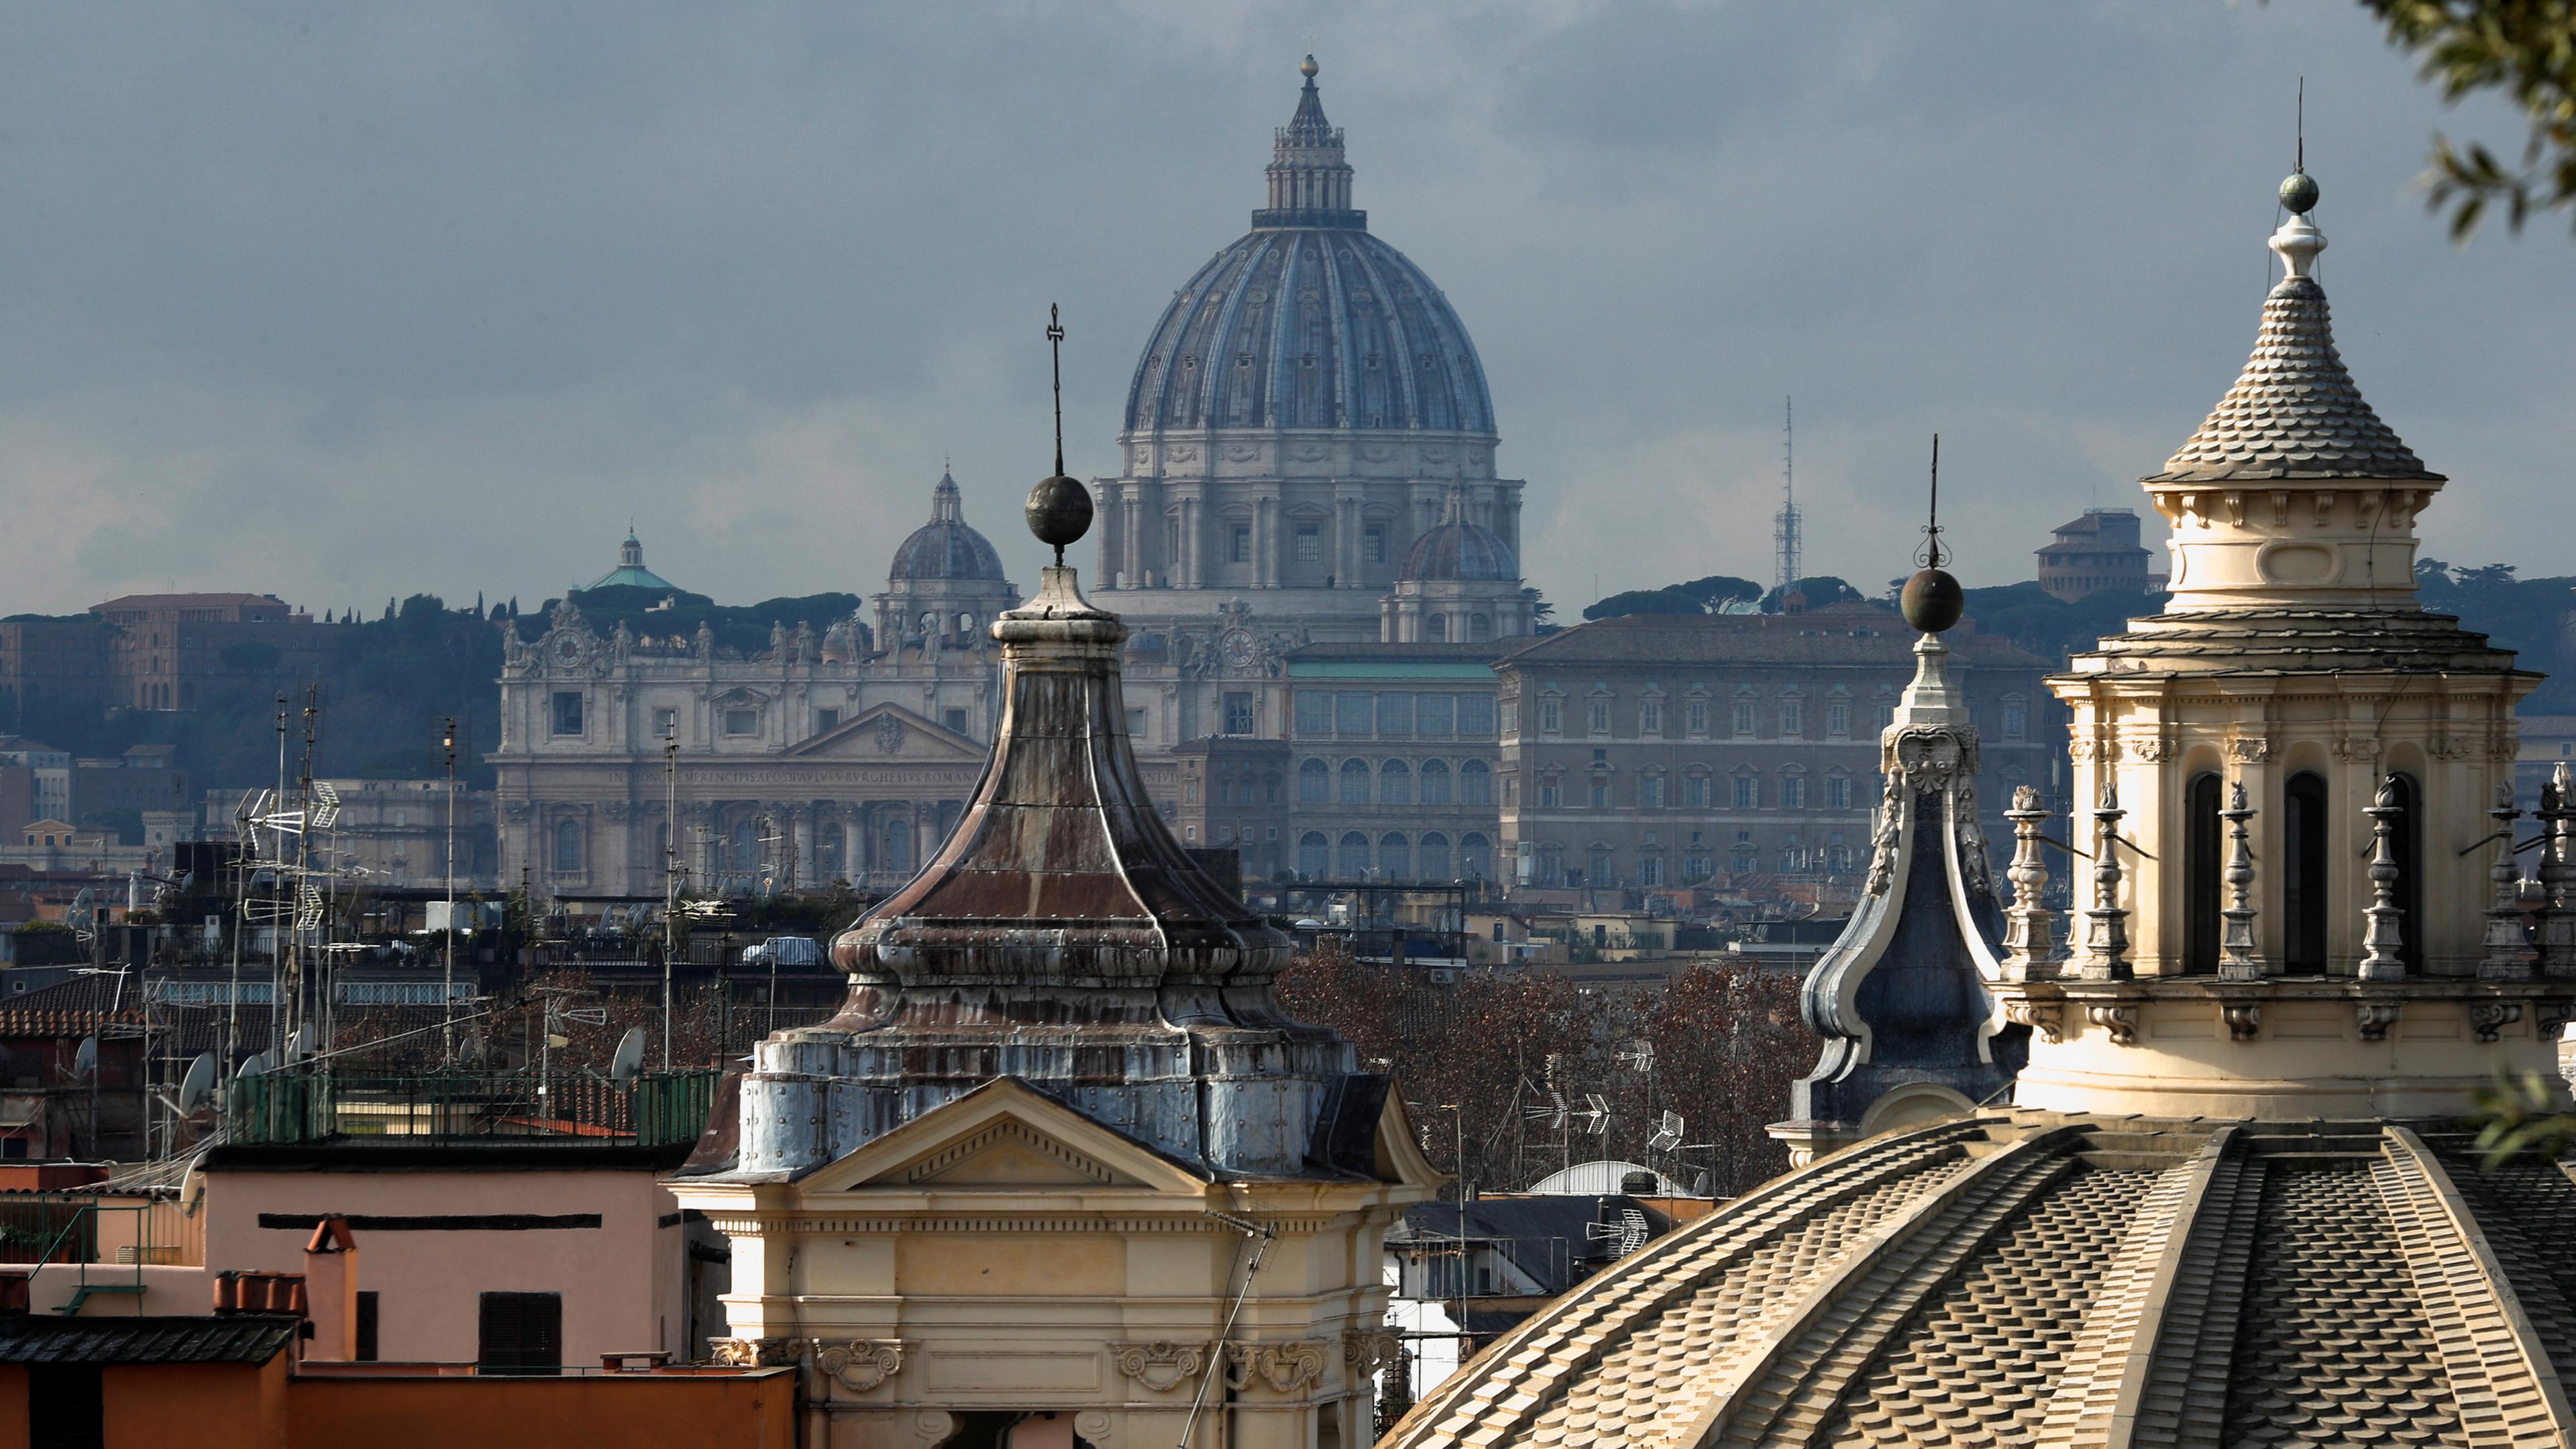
(1930, 555)
(1055, 346)
(1059, 508)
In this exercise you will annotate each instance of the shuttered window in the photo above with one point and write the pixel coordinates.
(521, 1333)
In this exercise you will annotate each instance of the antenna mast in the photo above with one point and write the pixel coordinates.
(1787, 536)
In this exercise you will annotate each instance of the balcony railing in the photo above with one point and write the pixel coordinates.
(445, 1108)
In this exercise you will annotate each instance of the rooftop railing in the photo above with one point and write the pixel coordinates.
(449, 1108)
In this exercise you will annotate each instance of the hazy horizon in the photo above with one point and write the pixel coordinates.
(347, 303)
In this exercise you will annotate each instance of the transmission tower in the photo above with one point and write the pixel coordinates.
(1786, 536)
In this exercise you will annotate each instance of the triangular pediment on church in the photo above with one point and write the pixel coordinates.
(1004, 1136)
(890, 732)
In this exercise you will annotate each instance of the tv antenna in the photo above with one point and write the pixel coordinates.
(1788, 534)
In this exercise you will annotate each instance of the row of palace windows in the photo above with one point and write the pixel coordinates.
(1744, 717)
(1431, 782)
(1652, 867)
(1693, 791)
(1360, 713)
(1394, 856)
(1306, 542)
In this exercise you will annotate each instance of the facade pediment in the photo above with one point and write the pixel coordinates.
(1003, 1136)
(889, 732)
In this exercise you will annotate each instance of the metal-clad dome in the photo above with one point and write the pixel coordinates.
(1309, 321)
(945, 547)
(1458, 552)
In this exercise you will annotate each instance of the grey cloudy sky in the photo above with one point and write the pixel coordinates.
(345, 301)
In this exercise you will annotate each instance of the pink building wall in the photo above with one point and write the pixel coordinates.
(622, 1282)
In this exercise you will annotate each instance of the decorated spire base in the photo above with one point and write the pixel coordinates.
(1910, 1030)
(1063, 938)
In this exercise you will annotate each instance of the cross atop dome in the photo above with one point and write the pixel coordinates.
(1310, 183)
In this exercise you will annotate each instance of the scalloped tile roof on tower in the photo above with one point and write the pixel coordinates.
(2294, 412)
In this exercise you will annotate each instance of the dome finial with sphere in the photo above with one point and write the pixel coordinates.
(1059, 508)
(1309, 69)
(1932, 600)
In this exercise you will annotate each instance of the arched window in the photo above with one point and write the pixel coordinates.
(1395, 857)
(1394, 783)
(568, 844)
(2201, 863)
(1601, 867)
(1435, 856)
(1354, 861)
(1355, 782)
(2406, 842)
(2304, 863)
(1435, 782)
(1436, 628)
(894, 844)
(1314, 782)
(1480, 629)
(746, 846)
(1475, 783)
(1314, 855)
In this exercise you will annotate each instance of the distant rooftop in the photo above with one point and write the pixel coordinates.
(630, 571)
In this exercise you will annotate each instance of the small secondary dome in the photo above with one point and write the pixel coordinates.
(1458, 551)
(630, 571)
(945, 547)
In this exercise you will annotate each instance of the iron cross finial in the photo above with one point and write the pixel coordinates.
(1931, 554)
(1055, 344)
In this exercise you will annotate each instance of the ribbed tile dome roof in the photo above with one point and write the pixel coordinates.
(945, 547)
(1458, 551)
(1309, 321)
(2023, 1278)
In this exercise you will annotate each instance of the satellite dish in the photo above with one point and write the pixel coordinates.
(302, 1044)
(198, 1084)
(630, 1056)
(257, 1064)
(469, 1049)
(85, 1060)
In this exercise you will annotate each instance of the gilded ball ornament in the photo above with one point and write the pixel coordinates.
(1059, 511)
(1932, 601)
(2299, 192)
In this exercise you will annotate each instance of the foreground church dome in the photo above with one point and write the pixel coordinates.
(2203, 1181)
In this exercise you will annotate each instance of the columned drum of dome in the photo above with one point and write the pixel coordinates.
(1297, 416)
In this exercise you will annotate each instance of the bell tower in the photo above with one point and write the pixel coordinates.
(2287, 784)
